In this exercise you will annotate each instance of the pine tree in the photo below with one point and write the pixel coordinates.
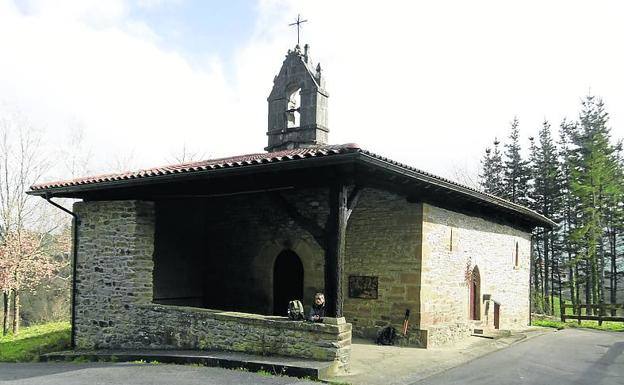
(516, 171)
(491, 177)
(614, 223)
(545, 194)
(570, 208)
(594, 181)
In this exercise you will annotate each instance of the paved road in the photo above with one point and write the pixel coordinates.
(131, 374)
(568, 357)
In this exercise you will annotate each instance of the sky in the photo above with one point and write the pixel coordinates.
(428, 83)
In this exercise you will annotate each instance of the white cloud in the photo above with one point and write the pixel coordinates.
(431, 83)
(428, 83)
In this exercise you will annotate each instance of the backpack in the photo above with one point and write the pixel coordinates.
(386, 336)
(295, 310)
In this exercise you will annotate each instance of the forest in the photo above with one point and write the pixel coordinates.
(574, 177)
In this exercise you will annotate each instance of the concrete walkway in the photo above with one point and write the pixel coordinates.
(568, 357)
(391, 365)
(370, 364)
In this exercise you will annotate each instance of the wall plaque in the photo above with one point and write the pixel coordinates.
(363, 287)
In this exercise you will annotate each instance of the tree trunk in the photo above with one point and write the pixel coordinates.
(560, 288)
(572, 281)
(614, 271)
(16, 312)
(601, 272)
(546, 275)
(595, 280)
(5, 313)
(554, 263)
(577, 285)
(535, 266)
(588, 287)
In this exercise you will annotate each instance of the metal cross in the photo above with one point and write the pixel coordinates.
(298, 24)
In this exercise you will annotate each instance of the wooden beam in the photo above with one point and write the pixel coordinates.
(334, 254)
(352, 202)
(308, 224)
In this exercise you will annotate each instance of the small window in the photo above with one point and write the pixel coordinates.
(451, 241)
(516, 256)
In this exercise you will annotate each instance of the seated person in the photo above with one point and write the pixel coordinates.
(317, 311)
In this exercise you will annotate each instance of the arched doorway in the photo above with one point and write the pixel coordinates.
(475, 294)
(287, 281)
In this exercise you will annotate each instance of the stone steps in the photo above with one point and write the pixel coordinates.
(490, 333)
(302, 368)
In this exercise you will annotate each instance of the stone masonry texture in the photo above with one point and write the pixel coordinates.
(179, 274)
(447, 261)
(297, 76)
(114, 307)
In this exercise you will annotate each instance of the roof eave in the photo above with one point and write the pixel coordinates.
(64, 191)
(538, 219)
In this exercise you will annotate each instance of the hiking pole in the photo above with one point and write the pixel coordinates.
(406, 322)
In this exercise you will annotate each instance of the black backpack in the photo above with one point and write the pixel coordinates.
(295, 311)
(387, 336)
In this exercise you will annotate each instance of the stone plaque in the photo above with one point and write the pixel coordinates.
(363, 287)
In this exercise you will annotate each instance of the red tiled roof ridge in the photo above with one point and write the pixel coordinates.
(198, 165)
(281, 156)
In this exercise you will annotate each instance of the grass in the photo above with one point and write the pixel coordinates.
(606, 325)
(264, 373)
(551, 321)
(33, 341)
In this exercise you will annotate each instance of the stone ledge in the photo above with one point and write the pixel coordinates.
(316, 370)
(275, 322)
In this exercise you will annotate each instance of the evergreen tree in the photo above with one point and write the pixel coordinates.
(569, 209)
(516, 171)
(545, 197)
(578, 183)
(614, 223)
(594, 181)
(491, 177)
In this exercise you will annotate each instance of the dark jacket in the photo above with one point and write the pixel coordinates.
(316, 310)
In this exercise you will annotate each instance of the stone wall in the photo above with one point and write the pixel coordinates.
(453, 244)
(241, 237)
(383, 240)
(114, 306)
(113, 270)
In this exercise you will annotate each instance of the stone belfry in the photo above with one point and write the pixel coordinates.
(297, 104)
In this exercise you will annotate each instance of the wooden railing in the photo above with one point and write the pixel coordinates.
(595, 312)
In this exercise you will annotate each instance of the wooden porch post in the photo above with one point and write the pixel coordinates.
(334, 254)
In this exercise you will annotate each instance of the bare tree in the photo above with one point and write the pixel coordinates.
(23, 225)
(76, 155)
(122, 162)
(186, 155)
(464, 174)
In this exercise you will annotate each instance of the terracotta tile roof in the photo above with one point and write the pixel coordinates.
(211, 164)
(293, 155)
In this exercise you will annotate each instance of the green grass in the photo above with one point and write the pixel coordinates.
(606, 325)
(264, 373)
(33, 341)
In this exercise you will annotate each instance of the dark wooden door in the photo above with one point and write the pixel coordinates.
(496, 315)
(287, 281)
(475, 295)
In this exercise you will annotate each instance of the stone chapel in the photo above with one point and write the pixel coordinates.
(206, 255)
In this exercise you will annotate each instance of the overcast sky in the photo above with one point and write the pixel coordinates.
(429, 83)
